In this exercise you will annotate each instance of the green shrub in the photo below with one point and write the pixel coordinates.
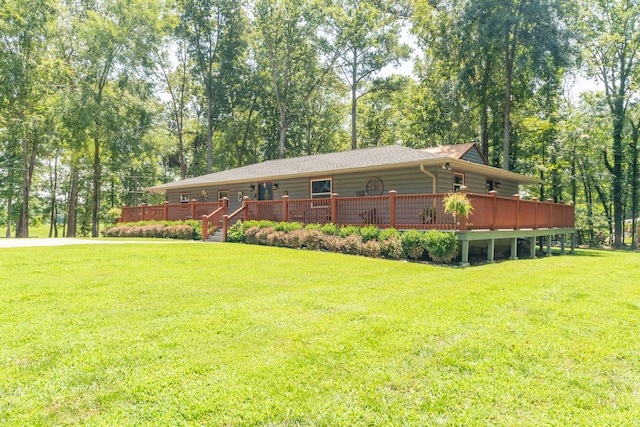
(235, 234)
(441, 246)
(313, 227)
(349, 230)
(287, 226)
(113, 215)
(313, 239)
(371, 249)
(331, 229)
(412, 244)
(370, 232)
(294, 239)
(392, 247)
(262, 235)
(388, 233)
(183, 230)
(333, 243)
(351, 244)
(276, 238)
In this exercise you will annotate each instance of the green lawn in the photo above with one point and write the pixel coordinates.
(238, 335)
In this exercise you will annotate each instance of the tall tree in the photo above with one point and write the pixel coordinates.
(368, 39)
(25, 28)
(204, 24)
(116, 37)
(610, 35)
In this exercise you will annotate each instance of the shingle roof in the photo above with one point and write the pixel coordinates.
(319, 163)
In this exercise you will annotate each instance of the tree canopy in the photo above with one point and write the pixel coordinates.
(99, 99)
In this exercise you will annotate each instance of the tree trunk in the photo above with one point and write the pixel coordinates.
(507, 106)
(9, 203)
(29, 153)
(618, 125)
(210, 128)
(73, 201)
(95, 227)
(354, 99)
(635, 136)
(283, 131)
(53, 228)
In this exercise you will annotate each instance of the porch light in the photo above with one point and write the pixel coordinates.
(275, 185)
(252, 187)
(497, 184)
(446, 166)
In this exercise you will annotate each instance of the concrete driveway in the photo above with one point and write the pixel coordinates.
(21, 243)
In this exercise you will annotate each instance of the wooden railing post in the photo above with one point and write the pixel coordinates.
(392, 208)
(573, 214)
(193, 208)
(535, 212)
(493, 194)
(517, 197)
(165, 214)
(123, 215)
(142, 211)
(550, 202)
(225, 204)
(205, 227)
(245, 210)
(463, 220)
(334, 208)
(563, 206)
(285, 208)
(225, 227)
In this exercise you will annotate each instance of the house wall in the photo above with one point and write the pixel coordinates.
(407, 180)
(473, 156)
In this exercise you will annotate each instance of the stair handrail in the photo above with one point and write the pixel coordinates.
(226, 218)
(213, 219)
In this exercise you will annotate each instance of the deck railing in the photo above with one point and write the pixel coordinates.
(168, 212)
(415, 211)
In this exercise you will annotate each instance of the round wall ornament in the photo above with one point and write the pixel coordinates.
(240, 196)
(374, 186)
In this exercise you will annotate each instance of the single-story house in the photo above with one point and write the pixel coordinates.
(391, 186)
(355, 173)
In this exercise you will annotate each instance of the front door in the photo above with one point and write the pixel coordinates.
(265, 191)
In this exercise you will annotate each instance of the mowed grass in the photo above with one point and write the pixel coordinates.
(238, 335)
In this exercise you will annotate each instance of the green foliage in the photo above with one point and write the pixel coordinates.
(412, 244)
(287, 226)
(331, 229)
(370, 232)
(349, 230)
(441, 246)
(235, 234)
(388, 233)
(458, 205)
(113, 215)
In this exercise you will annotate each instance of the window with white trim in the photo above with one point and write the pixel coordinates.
(222, 194)
(458, 181)
(321, 188)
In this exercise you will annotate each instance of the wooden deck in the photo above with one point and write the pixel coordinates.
(493, 217)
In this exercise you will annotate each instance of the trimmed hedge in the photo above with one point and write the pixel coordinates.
(181, 230)
(439, 246)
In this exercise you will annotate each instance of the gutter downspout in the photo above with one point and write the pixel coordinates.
(432, 176)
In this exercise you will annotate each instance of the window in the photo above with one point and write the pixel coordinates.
(222, 194)
(184, 197)
(321, 188)
(265, 191)
(490, 186)
(458, 181)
